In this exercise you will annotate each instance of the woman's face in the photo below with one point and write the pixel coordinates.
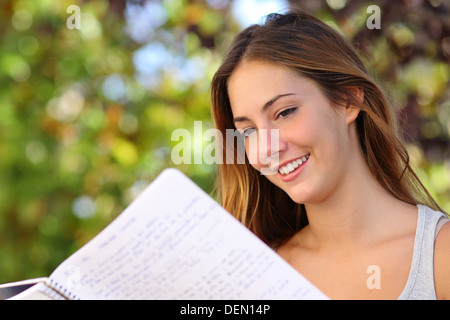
(314, 138)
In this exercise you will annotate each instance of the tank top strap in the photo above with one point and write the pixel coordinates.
(420, 284)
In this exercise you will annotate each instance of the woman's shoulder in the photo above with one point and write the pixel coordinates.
(442, 261)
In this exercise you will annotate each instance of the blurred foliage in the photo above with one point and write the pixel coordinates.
(86, 115)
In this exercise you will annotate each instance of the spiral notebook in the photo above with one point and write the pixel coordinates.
(173, 242)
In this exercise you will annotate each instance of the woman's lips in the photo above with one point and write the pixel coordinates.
(289, 170)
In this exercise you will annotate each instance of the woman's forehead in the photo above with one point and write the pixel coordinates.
(257, 82)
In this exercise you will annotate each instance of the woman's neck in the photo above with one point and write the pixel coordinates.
(354, 215)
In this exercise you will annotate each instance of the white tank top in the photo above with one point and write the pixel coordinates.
(420, 284)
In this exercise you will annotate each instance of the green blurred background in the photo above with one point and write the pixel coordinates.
(86, 115)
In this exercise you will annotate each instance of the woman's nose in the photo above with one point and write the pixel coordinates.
(269, 146)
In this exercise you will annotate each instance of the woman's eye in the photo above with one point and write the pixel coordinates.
(286, 112)
(248, 132)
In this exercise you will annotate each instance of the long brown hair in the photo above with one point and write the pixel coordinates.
(303, 43)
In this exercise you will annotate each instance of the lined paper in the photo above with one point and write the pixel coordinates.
(176, 242)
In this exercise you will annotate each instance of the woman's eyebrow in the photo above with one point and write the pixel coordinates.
(269, 103)
(266, 106)
(240, 119)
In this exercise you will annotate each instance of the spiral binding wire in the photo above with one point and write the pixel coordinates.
(56, 291)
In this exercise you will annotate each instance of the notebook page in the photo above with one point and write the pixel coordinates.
(175, 242)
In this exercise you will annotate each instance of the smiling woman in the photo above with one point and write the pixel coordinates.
(344, 197)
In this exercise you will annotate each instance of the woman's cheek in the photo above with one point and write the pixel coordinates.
(253, 155)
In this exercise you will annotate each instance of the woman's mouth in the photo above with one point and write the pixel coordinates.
(290, 170)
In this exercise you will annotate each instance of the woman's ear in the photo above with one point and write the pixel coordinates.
(353, 108)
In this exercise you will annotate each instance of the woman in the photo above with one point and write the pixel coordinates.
(344, 207)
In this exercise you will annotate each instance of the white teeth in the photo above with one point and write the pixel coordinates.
(293, 165)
